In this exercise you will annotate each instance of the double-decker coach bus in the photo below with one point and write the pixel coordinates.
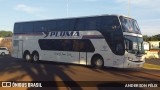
(105, 40)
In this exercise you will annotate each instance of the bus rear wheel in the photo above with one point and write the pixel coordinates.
(98, 62)
(35, 57)
(27, 57)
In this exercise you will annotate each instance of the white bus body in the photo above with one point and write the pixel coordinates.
(77, 41)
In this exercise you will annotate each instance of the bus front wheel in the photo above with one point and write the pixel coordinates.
(98, 62)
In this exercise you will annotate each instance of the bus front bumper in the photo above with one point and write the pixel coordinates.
(134, 64)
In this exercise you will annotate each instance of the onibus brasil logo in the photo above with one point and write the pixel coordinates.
(61, 34)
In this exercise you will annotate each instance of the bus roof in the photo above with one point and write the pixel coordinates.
(75, 18)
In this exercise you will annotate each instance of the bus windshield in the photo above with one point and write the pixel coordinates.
(134, 44)
(130, 25)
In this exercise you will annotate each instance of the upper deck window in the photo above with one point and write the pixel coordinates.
(109, 23)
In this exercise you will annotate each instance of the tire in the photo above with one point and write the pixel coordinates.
(35, 57)
(3, 54)
(98, 62)
(27, 57)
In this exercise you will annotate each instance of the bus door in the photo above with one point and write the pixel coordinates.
(86, 48)
(83, 58)
(76, 57)
(20, 49)
(15, 48)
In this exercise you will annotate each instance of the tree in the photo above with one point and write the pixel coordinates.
(5, 34)
(151, 38)
(145, 38)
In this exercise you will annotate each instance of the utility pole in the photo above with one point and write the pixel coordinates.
(67, 8)
(129, 7)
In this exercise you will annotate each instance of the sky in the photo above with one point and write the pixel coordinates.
(146, 12)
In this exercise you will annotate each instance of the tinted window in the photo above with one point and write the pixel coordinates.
(119, 44)
(70, 25)
(50, 25)
(39, 27)
(18, 28)
(83, 45)
(79, 45)
(96, 23)
(61, 24)
(109, 37)
(92, 23)
(81, 24)
(109, 22)
(28, 27)
(65, 25)
(55, 25)
(115, 40)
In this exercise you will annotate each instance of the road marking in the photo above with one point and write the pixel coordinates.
(151, 66)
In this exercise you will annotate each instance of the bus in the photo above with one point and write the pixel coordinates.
(104, 40)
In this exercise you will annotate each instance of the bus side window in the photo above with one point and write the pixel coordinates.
(18, 28)
(75, 45)
(82, 47)
(67, 45)
(109, 23)
(87, 46)
(119, 49)
(28, 28)
(57, 45)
